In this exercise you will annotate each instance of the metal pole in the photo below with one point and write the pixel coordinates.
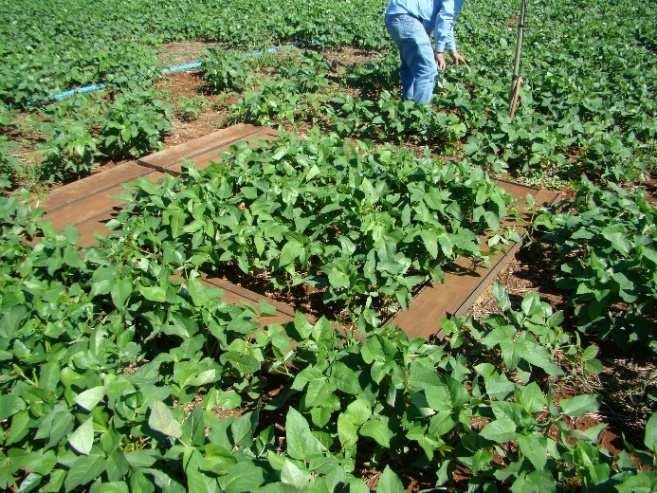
(516, 81)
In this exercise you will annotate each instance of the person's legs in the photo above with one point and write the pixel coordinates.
(418, 67)
(421, 59)
(406, 75)
(396, 26)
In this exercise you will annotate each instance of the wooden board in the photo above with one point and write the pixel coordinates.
(88, 204)
(106, 202)
(462, 284)
(170, 160)
(237, 295)
(206, 158)
(92, 201)
(98, 182)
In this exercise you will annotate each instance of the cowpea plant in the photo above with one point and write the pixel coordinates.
(118, 376)
(606, 242)
(365, 226)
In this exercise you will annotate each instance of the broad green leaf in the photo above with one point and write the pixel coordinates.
(650, 439)
(501, 296)
(9, 405)
(338, 279)
(531, 398)
(579, 405)
(534, 482)
(294, 476)
(83, 470)
(112, 487)
(30, 483)
(642, 482)
(430, 243)
(301, 443)
(90, 397)
(534, 447)
(500, 430)
(121, 291)
(290, 252)
(82, 438)
(379, 430)
(538, 356)
(161, 420)
(389, 482)
(154, 293)
(102, 280)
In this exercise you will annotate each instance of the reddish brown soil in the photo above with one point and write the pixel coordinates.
(183, 51)
(349, 56)
(212, 116)
(626, 380)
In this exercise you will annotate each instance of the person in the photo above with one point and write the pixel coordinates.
(409, 23)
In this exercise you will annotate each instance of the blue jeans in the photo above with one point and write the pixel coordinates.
(418, 67)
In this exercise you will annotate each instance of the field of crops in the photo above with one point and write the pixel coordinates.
(123, 371)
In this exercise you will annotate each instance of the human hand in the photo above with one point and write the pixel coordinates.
(440, 61)
(458, 58)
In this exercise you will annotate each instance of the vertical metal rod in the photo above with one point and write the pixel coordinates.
(516, 80)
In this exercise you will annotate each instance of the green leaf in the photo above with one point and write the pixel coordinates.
(121, 291)
(102, 280)
(617, 239)
(531, 398)
(302, 325)
(197, 291)
(501, 430)
(301, 443)
(350, 421)
(501, 296)
(31, 481)
(338, 279)
(112, 487)
(379, 430)
(153, 293)
(539, 356)
(294, 476)
(534, 482)
(84, 470)
(650, 439)
(389, 482)
(90, 397)
(82, 439)
(579, 405)
(290, 252)
(9, 405)
(534, 447)
(162, 421)
(430, 243)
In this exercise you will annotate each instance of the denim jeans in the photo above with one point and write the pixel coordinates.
(418, 67)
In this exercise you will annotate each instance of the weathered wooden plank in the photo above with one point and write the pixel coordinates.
(252, 297)
(163, 160)
(91, 228)
(203, 160)
(98, 182)
(103, 204)
(463, 284)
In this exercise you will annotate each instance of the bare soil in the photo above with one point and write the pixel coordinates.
(349, 56)
(627, 380)
(183, 85)
(183, 51)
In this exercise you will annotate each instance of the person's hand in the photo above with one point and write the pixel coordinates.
(440, 61)
(458, 58)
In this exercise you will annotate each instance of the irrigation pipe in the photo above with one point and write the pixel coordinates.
(183, 67)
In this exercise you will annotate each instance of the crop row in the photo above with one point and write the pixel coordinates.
(118, 376)
(362, 227)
